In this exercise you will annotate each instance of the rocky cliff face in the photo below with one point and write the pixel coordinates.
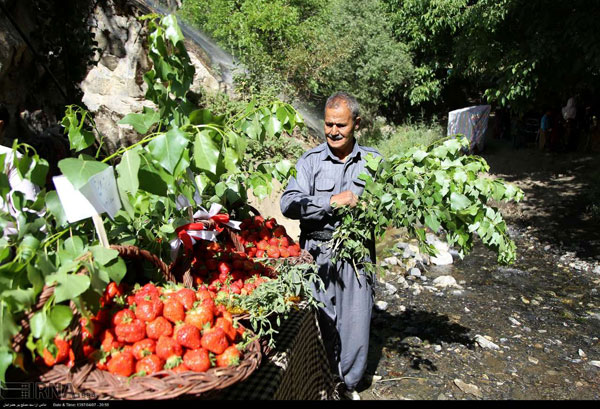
(112, 87)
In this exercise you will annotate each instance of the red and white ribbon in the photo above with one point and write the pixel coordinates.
(221, 219)
(189, 234)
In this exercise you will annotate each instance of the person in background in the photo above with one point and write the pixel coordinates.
(545, 130)
(327, 176)
(569, 113)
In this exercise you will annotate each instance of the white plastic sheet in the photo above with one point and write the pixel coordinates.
(471, 122)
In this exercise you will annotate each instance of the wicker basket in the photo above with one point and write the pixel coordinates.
(88, 381)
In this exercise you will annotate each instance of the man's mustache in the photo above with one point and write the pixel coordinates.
(337, 137)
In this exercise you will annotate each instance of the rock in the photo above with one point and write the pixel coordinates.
(446, 281)
(595, 363)
(533, 360)
(402, 282)
(514, 321)
(381, 305)
(597, 269)
(401, 245)
(437, 348)
(457, 292)
(415, 272)
(392, 261)
(581, 353)
(391, 289)
(468, 388)
(443, 258)
(546, 248)
(485, 343)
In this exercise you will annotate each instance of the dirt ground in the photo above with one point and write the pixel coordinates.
(525, 331)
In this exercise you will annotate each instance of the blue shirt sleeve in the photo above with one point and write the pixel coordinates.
(298, 203)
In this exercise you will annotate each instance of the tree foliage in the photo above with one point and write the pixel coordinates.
(510, 52)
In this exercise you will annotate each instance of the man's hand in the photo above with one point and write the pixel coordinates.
(346, 198)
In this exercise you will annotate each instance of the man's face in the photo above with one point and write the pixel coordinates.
(340, 127)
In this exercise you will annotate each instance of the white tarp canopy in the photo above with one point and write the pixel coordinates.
(471, 122)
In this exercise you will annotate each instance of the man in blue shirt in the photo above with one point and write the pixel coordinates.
(326, 177)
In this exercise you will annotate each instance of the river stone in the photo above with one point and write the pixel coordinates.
(485, 343)
(391, 289)
(595, 363)
(392, 261)
(381, 305)
(468, 388)
(445, 281)
(415, 272)
(597, 269)
(442, 258)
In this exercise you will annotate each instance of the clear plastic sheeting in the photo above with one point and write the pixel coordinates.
(470, 122)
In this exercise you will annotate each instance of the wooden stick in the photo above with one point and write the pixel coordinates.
(99, 225)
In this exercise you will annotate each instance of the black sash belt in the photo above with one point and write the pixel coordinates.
(323, 235)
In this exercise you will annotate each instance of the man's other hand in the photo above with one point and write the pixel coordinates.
(346, 198)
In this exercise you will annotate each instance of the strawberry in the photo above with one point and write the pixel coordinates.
(202, 314)
(122, 363)
(123, 316)
(147, 290)
(262, 245)
(227, 328)
(61, 347)
(284, 242)
(279, 231)
(109, 341)
(273, 252)
(187, 335)
(270, 223)
(274, 242)
(284, 252)
(229, 357)
(215, 340)
(167, 347)
(187, 297)
(224, 267)
(148, 310)
(173, 310)
(149, 364)
(260, 253)
(144, 348)
(131, 331)
(258, 220)
(160, 326)
(175, 364)
(197, 360)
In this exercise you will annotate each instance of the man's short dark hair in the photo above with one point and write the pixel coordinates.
(335, 99)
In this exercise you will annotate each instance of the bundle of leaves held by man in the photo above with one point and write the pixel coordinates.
(436, 187)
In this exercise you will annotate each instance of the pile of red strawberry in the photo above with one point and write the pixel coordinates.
(265, 238)
(156, 328)
(222, 268)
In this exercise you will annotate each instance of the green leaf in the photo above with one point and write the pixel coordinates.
(458, 201)
(60, 317)
(272, 126)
(168, 148)
(6, 359)
(70, 286)
(151, 182)
(141, 122)
(79, 171)
(116, 270)
(103, 255)
(432, 222)
(206, 152)
(127, 171)
(172, 30)
(55, 208)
